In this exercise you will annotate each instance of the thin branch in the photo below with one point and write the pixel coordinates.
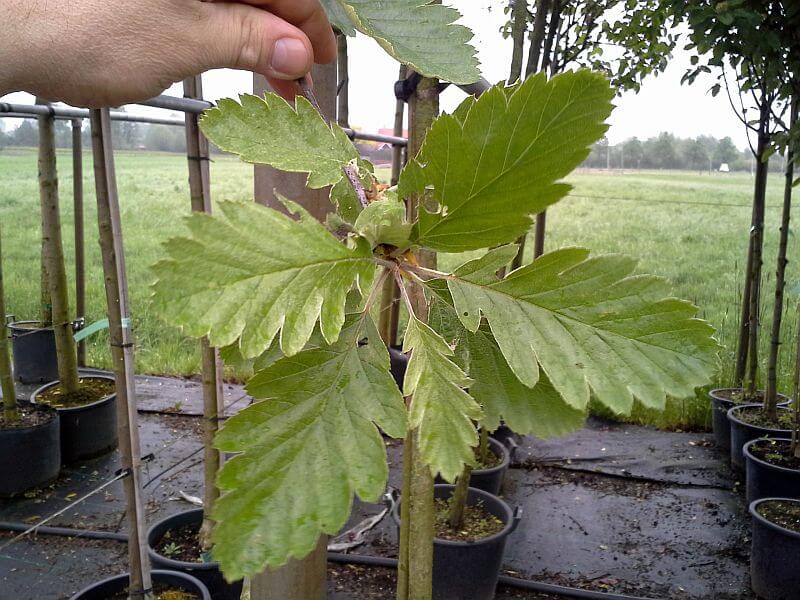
(355, 181)
(404, 292)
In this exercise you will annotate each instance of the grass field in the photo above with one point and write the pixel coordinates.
(688, 227)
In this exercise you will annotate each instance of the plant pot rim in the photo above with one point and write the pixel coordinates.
(505, 455)
(73, 409)
(714, 394)
(201, 588)
(733, 417)
(510, 525)
(16, 324)
(42, 407)
(177, 564)
(750, 456)
(766, 522)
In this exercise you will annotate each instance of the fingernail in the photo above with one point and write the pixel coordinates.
(289, 57)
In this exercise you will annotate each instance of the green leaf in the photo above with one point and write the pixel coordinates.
(538, 411)
(421, 35)
(251, 271)
(497, 165)
(441, 409)
(308, 445)
(384, 222)
(592, 327)
(270, 131)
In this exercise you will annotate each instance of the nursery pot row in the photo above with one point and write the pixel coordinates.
(206, 572)
(34, 350)
(86, 431)
(470, 570)
(109, 588)
(720, 405)
(30, 456)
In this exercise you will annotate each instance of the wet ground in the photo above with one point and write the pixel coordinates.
(612, 508)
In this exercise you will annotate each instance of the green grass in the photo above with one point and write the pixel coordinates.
(687, 227)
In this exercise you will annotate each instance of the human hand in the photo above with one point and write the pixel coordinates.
(97, 53)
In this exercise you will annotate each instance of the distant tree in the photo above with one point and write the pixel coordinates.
(664, 153)
(164, 138)
(727, 152)
(633, 152)
(27, 134)
(696, 156)
(126, 135)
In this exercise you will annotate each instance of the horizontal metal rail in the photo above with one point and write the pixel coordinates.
(190, 105)
(28, 111)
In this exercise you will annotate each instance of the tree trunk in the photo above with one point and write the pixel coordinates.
(415, 561)
(771, 400)
(742, 345)
(796, 390)
(213, 409)
(458, 502)
(549, 52)
(10, 414)
(54, 256)
(537, 37)
(519, 25)
(80, 255)
(122, 358)
(299, 579)
(762, 171)
(343, 90)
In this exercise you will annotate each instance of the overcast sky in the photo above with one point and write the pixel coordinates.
(663, 104)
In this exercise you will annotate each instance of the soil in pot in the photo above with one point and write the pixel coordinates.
(782, 513)
(34, 351)
(161, 591)
(478, 523)
(174, 544)
(91, 390)
(30, 452)
(183, 544)
(773, 471)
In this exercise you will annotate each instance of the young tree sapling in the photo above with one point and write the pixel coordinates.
(530, 347)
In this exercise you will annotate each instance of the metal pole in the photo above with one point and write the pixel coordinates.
(116, 284)
(80, 253)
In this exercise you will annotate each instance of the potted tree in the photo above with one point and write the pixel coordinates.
(775, 551)
(86, 405)
(589, 323)
(30, 452)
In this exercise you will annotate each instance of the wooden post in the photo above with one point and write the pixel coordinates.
(343, 88)
(116, 285)
(10, 414)
(292, 185)
(54, 256)
(80, 253)
(519, 26)
(299, 579)
(213, 409)
(415, 560)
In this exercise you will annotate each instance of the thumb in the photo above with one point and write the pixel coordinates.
(239, 36)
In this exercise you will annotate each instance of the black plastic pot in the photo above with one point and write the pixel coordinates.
(103, 590)
(765, 480)
(470, 570)
(399, 364)
(742, 432)
(719, 415)
(34, 350)
(774, 557)
(86, 431)
(29, 456)
(208, 573)
(490, 480)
